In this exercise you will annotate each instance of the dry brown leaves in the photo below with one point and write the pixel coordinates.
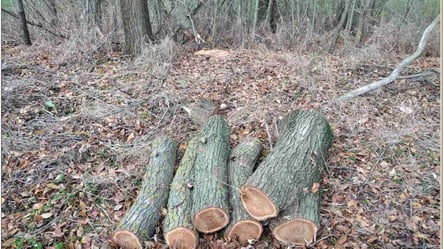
(75, 139)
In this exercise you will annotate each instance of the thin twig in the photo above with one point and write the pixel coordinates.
(269, 136)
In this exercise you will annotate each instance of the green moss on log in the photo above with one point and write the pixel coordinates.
(144, 215)
(240, 166)
(210, 194)
(177, 225)
(293, 165)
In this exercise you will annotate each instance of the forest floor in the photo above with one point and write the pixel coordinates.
(76, 135)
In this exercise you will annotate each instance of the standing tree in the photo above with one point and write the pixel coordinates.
(21, 13)
(136, 24)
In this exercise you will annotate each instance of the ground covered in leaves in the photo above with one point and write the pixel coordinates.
(76, 135)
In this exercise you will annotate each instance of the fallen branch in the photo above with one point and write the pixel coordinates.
(395, 74)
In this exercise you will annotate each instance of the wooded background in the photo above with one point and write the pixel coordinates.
(97, 26)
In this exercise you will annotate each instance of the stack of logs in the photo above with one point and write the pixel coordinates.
(216, 188)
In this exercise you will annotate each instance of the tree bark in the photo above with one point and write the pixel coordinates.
(360, 32)
(23, 23)
(136, 24)
(339, 27)
(140, 222)
(299, 223)
(201, 110)
(395, 74)
(240, 166)
(291, 168)
(177, 227)
(210, 195)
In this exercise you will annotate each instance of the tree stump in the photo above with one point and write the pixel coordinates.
(210, 194)
(177, 227)
(292, 167)
(240, 166)
(140, 222)
(201, 110)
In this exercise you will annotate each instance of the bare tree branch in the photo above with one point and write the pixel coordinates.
(38, 25)
(395, 74)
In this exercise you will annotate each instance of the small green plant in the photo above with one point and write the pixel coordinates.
(19, 243)
(59, 245)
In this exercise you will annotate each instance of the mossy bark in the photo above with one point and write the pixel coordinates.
(180, 201)
(144, 215)
(299, 223)
(292, 167)
(210, 173)
(240, 166)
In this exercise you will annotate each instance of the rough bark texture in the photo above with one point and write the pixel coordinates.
(141, 220)
(177, 227)
(23, 23)
(240, 166)
(136, 24)
(299, 223)
(210, 194)
(201, 110)
(339, 27)
(293, 166)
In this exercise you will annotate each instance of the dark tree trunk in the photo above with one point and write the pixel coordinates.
(177, 226)
(240, 166)
(23, 23)
(140, 221)
(136, 24)
(291, 169)
(210, 194)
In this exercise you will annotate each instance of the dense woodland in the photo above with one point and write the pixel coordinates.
(105, 100)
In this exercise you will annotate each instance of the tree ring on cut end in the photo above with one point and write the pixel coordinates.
(257, 203)
(296, 231)
(126, 239)
(181, 238)
(245, 230)
(211, 220)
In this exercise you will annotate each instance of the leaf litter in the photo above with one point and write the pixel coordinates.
(75, 138)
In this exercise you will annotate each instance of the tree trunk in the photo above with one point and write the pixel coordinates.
(299, 223)
(291, 168)
(339, 27)
(23, 23)
(177, 227)
(210, 195)
(242, 160)
(141, 220)
(360, 32)
(201, 110)
(136, 25)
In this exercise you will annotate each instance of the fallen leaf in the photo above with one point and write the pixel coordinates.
(342, 239)
(37, 206)
(405, 109)
(46, 215)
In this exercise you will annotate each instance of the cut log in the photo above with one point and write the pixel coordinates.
(201, 110)
(210, 194)
(240, 166)
(177, 227)
(140, 222)
(298, 224)
(293, 165)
